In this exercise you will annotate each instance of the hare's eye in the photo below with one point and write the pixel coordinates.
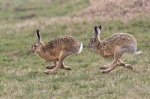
(92, 41)
(34, 45)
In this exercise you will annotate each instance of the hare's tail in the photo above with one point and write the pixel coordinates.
(137, 52)
(80, 49)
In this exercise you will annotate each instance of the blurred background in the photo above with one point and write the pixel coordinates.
(21, 73)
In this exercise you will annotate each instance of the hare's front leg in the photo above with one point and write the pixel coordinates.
(53, 66)
(62, 56)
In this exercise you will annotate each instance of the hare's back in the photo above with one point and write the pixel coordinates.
(121, 38)
(63, 42)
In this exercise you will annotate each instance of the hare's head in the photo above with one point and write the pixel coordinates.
(94, 41)
(37, 47)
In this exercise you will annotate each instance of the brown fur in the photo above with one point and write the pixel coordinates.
(113, 47)
(56, 51)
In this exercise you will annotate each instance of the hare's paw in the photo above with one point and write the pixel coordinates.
(104, 67)
(128, 66)
(66, 68)
(105, 71)
(50, 67)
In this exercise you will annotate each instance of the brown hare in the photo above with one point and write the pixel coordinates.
(114, 47)
(56, 51)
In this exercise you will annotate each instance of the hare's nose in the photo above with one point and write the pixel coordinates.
(31, 51)
(88, 46)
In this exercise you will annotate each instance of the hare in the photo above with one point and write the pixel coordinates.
(114, 47)
(56, 51)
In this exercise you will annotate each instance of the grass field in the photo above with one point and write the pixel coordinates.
(22, 73)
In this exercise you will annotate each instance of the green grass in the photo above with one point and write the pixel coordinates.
(32, 9)
(22, 73)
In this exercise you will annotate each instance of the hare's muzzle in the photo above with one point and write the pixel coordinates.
(89, 45)
(31, 50)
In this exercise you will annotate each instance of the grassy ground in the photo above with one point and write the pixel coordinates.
(21, 73)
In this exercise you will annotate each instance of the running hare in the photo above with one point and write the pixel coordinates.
(114, 47)
(56, 51)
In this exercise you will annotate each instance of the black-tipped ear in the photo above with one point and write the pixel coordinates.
(100, 27)
(96, 32)
(38, 35)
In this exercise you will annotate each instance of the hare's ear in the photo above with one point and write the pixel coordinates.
(38, 35)
(100, 27)
(95, 31)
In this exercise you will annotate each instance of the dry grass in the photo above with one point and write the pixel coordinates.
(112, 9)
(98, 9)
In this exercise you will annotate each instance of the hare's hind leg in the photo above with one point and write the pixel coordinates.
(117, 54)
(62, 67)
(65, 67)
(62, 56)
(53, 66)
(111, 67)
(121, 63)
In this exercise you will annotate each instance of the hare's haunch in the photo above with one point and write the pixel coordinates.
(56, 51)
(113, 47)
